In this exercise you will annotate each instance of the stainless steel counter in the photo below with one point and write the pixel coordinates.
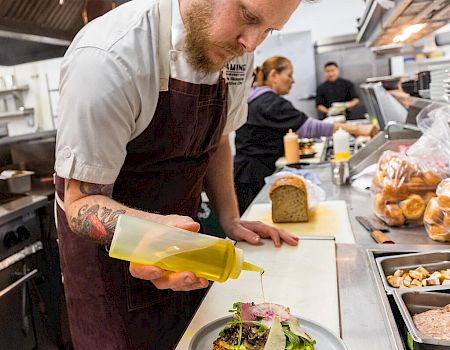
(364, 323)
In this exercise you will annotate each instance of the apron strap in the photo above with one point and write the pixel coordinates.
(59, 201)
(165, 29)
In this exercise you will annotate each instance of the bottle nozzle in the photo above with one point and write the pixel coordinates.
(250, 267)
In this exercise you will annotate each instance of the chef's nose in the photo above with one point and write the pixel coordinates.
(250, 39)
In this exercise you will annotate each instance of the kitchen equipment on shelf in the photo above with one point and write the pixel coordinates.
(15, 181)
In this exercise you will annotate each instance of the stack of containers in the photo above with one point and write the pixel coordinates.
(440, 84)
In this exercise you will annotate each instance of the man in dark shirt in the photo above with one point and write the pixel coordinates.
(335, 89)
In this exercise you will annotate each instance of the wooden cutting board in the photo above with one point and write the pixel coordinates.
(329, 218)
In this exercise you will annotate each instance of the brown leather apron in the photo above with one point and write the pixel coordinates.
(163, 172)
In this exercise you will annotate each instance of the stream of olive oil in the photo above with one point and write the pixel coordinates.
(262, 287)
(250, 267)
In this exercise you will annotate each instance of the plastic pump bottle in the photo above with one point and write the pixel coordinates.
(291, 149)
(341, 145)
(170, 248)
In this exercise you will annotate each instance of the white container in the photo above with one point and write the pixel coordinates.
(15, 181)
(291, 149)
(341, 145)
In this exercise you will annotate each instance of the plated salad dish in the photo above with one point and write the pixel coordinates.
(265, 326)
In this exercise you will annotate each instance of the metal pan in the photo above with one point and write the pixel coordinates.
(325, 339)
(431, 261)
(411, 302)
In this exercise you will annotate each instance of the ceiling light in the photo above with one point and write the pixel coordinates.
(407, 32)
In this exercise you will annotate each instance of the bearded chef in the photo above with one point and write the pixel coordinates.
(149, 93)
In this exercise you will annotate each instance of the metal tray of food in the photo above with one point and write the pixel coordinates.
(412, 302)
(433, 261)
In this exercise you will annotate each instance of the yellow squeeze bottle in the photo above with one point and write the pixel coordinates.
(170, 248)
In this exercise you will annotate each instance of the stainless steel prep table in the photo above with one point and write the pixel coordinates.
(363, 323)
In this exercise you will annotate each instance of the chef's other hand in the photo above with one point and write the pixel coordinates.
(366, 130)
(162, 279)
(253, 231)
(183, 222)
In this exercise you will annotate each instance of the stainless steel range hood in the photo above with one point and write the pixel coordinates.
(32, 30)
(397, 22)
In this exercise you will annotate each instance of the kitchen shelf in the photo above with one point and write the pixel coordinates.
(19, 113)
(39, 135)
(14, 89)
(427, 101)
(429, 61)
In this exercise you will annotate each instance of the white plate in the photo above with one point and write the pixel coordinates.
(325, 339)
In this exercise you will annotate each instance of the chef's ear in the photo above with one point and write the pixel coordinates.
(273, 73)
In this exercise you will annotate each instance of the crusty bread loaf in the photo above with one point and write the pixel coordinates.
(289, 200)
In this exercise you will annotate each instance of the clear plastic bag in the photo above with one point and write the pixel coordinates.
(315, 193)
(405, 183)
(437, 214)
(401, 189)
(432, 149)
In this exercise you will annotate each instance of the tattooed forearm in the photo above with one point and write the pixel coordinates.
(96, 223)
(96, 189)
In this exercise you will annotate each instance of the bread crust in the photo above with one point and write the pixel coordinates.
(394, 215)
(444, 202)
(288, 180)
(433, 214)
(413, 207)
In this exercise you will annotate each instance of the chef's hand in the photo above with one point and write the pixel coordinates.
(183, 222)
(162, 279)
(253, 231)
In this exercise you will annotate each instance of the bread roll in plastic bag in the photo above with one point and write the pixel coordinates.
(404, 184)
(402, 188)
(437, 214)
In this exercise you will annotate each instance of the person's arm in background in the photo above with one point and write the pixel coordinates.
(320, 101)
(354, 100)
(352, 103)
(322, 109)
(220, 191)
(314, 128)
(357, 130)
(92, 214)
